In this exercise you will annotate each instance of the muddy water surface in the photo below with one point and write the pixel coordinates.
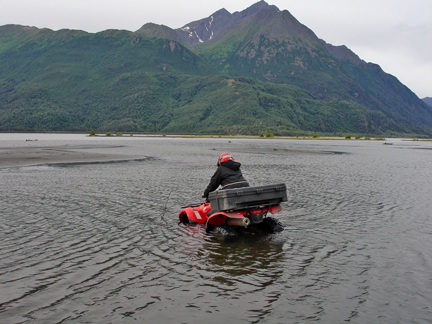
(101, 242)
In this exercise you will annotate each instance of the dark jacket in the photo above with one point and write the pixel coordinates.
(228, 175)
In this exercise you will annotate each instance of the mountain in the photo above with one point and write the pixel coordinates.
(207, 29)
(428, 101)
(249, 72)
(73, 80)
(270, 45)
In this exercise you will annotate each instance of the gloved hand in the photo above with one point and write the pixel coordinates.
(203, 196)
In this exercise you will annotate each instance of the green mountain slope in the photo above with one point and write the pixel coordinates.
(385, 92)
(253, 71)
(260, 47)
(273, 46)
(64, 80)
(118, 81)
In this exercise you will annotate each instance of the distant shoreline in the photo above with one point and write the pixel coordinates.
(126, 135)
(317, 135)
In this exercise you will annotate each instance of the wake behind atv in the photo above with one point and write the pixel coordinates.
(241, 208)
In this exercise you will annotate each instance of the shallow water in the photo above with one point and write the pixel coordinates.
(101, 242)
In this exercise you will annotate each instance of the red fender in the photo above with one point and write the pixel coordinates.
(197, 214)
(220, 218)
(193, 215)
(275, 209)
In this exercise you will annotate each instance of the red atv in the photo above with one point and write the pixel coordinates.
(230, 210)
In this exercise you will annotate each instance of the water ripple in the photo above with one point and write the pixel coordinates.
(102, 242)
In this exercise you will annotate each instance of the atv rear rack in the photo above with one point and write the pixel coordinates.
(247, 197)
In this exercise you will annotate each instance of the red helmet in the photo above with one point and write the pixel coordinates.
(224, 157)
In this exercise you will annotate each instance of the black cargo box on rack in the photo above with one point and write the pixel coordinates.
(241, 198)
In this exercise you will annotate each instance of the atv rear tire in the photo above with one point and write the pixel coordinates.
(272, 225)
(225, 231)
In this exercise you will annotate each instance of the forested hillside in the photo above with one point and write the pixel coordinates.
(250, 72)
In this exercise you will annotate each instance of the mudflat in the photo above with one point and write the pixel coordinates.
(27, 156)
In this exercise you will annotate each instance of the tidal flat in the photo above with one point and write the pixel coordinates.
(90, 232)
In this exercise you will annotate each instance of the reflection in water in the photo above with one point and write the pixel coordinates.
(102, 243)
(248, 264)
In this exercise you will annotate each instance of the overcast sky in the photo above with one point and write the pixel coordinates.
(396, 34)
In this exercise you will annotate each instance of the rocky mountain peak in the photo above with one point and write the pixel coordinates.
(209, 28)
(255, 9)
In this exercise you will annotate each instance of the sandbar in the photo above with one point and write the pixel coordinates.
(29, 156)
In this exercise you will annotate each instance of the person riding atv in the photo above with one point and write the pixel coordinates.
(235, 208)
(228, 175)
